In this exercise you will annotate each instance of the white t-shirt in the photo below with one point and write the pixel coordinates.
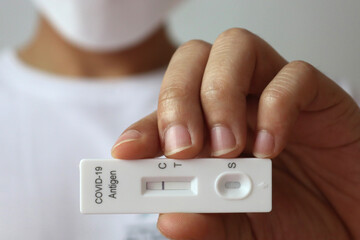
(47, 124)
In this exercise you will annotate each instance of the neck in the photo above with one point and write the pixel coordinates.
(49, 52)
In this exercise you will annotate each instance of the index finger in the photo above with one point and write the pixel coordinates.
(180, 121)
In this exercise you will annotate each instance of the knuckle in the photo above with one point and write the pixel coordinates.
(213, 93)
(275, 96)
(236, 36)
(236, 33)
(172, 94)
(194, 44)
(298, 74)
(304, 67)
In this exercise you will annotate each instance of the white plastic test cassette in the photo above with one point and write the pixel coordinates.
(164, 185)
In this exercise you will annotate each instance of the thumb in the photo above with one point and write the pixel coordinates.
(191, 226)
(140, 140)
(197, 226)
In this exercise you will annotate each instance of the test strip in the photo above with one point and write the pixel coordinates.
(162, 185)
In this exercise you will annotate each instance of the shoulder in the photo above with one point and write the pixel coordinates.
(6, 54)
(6, 62)
(9, 71)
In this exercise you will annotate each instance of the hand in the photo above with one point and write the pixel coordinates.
(240, 97)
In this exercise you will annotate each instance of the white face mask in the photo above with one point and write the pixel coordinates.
(105, 25)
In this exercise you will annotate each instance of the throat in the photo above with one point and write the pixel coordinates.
(49, 52)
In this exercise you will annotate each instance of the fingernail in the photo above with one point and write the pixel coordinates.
(128, 136)
(264, 144)
(222, 141)
(177, 139)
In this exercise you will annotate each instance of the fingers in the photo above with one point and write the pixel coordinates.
(233, 66)
(205, 226)
(223, 92)
(204, 94)
(180, 120)
(294, 89)
(140, 140)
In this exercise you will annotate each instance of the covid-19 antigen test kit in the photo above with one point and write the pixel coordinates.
(161, 185)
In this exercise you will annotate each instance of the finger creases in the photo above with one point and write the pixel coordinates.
(225, 86)
(297, 87)
(180, 120)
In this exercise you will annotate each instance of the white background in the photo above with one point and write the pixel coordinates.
(325, 33)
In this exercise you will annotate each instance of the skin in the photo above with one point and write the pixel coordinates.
(239, 97)
(241, 84)
(49, 52)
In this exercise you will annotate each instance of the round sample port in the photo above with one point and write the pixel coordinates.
(233, 185)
